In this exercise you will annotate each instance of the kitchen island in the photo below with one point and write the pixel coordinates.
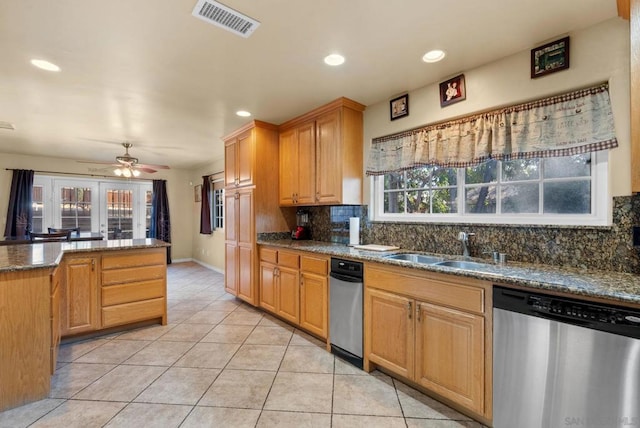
(49, 290)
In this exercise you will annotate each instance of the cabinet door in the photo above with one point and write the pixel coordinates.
(329, 158)
(389, 329)
(313, 303)
(305, 193)
(56, 286)
(244, 219)
(230, 162)
(288, 294)
(80, 298)
(288, 167)
(246, 288)
(230, 209)
(450, 354)
(268, 287)
(231, 268)
(245, 158)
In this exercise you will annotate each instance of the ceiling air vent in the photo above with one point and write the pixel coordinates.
(218, 14)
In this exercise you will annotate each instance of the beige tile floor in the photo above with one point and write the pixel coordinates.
(220, 363)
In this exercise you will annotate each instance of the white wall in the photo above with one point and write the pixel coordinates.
(206, 249)
(179, 192)
(598, 53)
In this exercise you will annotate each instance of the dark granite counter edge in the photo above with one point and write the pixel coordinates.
(60, 249)
(614, 286)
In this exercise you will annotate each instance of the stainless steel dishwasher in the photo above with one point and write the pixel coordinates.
(345, 310)
(561, 362)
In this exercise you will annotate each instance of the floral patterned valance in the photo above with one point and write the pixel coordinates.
(564, 125)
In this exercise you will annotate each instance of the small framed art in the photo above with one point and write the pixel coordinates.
(452, 91)
(549, 58)
(399, 107)
(197, 192)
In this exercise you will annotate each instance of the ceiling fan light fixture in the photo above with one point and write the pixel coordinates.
(117, 172)
(136, 173)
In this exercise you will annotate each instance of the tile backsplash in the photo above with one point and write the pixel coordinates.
(606, 248)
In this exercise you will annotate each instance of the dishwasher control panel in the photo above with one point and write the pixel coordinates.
(583, 311)
(598, 316)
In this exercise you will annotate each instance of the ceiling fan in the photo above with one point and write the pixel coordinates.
(128, 166)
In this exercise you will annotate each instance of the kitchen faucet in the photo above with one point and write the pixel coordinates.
(463, 237)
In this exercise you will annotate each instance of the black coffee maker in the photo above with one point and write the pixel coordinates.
(302, 230)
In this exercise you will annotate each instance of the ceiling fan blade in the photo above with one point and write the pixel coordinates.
(147, 165)
(145, 169)
(96, 162)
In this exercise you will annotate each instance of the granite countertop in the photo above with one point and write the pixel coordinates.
(48, 254)
(618, 286)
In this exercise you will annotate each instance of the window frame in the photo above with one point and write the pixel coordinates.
(600, 205)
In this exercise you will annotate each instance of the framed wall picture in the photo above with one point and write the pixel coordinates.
(399, 107)
(197, 192)
(549, 58)
(452, 91)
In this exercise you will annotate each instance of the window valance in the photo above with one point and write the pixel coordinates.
(563, 125)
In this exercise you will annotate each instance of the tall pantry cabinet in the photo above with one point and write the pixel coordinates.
(251, 203)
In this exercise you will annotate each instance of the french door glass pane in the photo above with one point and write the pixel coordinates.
(38, 209)
(75, 208)
(119, 214)
(148, 199)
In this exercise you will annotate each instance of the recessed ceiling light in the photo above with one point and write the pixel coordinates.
(434, 56)
(243, 113)
(45, 65)
(334, 59)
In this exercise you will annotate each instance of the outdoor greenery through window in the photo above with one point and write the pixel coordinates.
(560, 186)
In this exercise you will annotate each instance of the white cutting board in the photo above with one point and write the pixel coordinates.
(376, 247)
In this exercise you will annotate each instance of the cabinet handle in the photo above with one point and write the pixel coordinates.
(237, 195)
(418, 309)
(93, 265)
(236, 182)
(409, 310)
(318, 197)
(276, 272)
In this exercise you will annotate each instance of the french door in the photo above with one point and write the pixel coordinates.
(118, 210)
(125, 210)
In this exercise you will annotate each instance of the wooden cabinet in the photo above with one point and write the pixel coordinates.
(80, 295)
(56, 326)
(390, 331)
(133, 287)
(314, 292)
(239, 160)
(294, 286)
(251, 204)
(450, 354)
(431, 330)
(634, 32)
(321, 156)
(239, 243)
(297, 165)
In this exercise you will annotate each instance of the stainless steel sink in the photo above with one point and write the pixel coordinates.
(416, 258)
(461, 264)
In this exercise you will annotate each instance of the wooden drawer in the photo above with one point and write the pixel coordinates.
(125, 259)
(314, 265)
(268, 255)
(455, 292)
(134, 274)
(287, 259)
(133, 292)
(132, 312)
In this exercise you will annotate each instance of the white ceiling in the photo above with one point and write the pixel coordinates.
(149, 72)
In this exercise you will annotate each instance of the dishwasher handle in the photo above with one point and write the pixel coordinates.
(345, 278)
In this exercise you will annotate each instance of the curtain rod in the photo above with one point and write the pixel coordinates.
(84, 175)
